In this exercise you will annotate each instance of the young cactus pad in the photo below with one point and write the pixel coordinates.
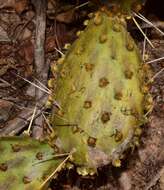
(100, 95)
(25, 163)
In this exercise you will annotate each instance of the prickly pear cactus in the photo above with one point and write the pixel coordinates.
(23, 164)
(101, 94)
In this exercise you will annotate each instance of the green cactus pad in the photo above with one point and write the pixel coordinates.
(23, 164)
(99, 94)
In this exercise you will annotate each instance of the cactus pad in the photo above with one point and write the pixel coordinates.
(23, 164)
(101, 101)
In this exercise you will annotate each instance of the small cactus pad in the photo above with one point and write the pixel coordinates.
(23, 164)
(99, 96)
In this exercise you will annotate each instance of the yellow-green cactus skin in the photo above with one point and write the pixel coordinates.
(101, 93)
(25, 163)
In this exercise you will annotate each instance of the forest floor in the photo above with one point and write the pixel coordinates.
(31, 40)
